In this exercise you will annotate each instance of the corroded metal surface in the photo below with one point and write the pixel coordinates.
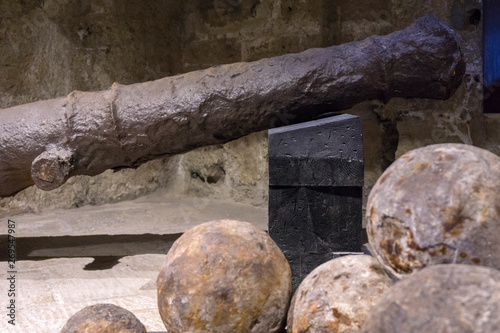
(224, 276)
(107, 318)
(442, 298)
(128, 125)
(434, 205)
(338, 295)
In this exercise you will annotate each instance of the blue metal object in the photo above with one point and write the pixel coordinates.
(491, 14)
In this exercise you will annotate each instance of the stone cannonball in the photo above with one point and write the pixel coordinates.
(224, 276)
(447, 298)
(338, 295)
(106, 318)
(434, 205)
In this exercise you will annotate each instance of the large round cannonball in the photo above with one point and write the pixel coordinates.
(224, 276)
(337, 295)
(434, 205)
(438, 299)
(106, 318)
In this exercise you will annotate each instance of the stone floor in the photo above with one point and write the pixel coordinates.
(112, 253)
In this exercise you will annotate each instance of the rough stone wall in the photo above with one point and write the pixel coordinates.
(51, 47)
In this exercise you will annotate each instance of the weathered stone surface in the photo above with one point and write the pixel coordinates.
(442, 298)
(434, 205)
(315, 191)
(106, 318)
(338, 295)
(128, 125)
(224, 276)
(234, 171)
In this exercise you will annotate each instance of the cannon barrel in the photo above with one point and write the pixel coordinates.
(86, 133)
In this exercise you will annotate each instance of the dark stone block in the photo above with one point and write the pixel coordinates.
(324, 152)
(315, 192)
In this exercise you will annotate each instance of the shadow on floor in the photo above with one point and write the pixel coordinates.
(106, 250)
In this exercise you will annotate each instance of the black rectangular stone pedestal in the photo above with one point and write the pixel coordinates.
(315, 191)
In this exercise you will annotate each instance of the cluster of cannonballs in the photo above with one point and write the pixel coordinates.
(433, 223)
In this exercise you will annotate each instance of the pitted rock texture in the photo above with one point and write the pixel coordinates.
(338, 295)
(434, 205)
(224, 276)
(105, 318)
(440, 299)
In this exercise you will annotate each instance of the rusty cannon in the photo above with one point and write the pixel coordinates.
(86, 133)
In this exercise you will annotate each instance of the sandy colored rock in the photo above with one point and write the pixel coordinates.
(105, 318)
(437, 204)
(338, 295)
(438, 299)
(224, 276)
